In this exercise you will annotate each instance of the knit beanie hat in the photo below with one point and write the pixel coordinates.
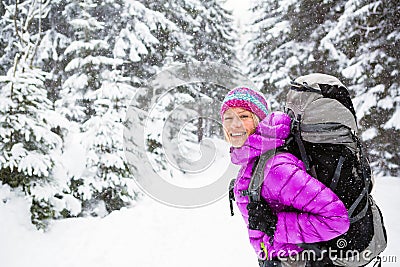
(246, 98)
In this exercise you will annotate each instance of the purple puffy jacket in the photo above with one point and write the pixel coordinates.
(316, 213)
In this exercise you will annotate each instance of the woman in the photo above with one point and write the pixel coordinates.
(295, 208)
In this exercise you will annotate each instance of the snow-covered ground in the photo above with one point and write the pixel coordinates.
(151, 234)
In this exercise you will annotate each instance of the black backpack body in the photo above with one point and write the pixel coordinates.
(324, 137)
(324, 159)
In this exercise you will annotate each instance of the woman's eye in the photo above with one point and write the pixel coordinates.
(244, 116)
(227, 118)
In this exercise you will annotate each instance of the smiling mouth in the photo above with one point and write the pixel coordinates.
(238, 134)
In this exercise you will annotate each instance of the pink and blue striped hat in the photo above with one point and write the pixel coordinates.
(246, 98)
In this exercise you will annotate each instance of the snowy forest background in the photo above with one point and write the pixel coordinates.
(68, 70)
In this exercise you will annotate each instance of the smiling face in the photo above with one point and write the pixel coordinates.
(238, 124)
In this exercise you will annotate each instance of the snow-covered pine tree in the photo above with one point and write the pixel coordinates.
(30, 150)
(285, 42)
(106, 172)
(139, 39)
(87, 55)
(50, 54)
(104, 53)
(90, 61)
(7, 38)
(310, 22)
(214, 41)
(268, 38)
(147, 40)
(366, 40)
(175, 38)
(204, 33)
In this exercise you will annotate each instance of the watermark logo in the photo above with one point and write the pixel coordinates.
(162, 123)
(341, 243)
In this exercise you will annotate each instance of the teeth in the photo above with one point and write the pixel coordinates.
(237, 134)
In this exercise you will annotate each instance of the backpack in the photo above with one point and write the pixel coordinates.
(324, 136)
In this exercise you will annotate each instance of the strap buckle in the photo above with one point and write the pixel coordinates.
(247, 193)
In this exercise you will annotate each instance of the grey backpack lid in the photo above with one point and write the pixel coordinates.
(318, 112)
(315, 79)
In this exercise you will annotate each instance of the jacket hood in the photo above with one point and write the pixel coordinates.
(269, 134)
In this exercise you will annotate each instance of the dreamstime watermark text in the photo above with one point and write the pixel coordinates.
(332, 254)
(335, 255)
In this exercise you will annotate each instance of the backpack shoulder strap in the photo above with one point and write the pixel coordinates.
(295, 129)
(231, 195)
(257, 177)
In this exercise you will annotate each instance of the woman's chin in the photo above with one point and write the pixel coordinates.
(237, 143)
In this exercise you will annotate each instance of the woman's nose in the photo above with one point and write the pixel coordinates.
(236, 122)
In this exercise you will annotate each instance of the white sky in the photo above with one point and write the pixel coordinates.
(239, 7)
(241, 16)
